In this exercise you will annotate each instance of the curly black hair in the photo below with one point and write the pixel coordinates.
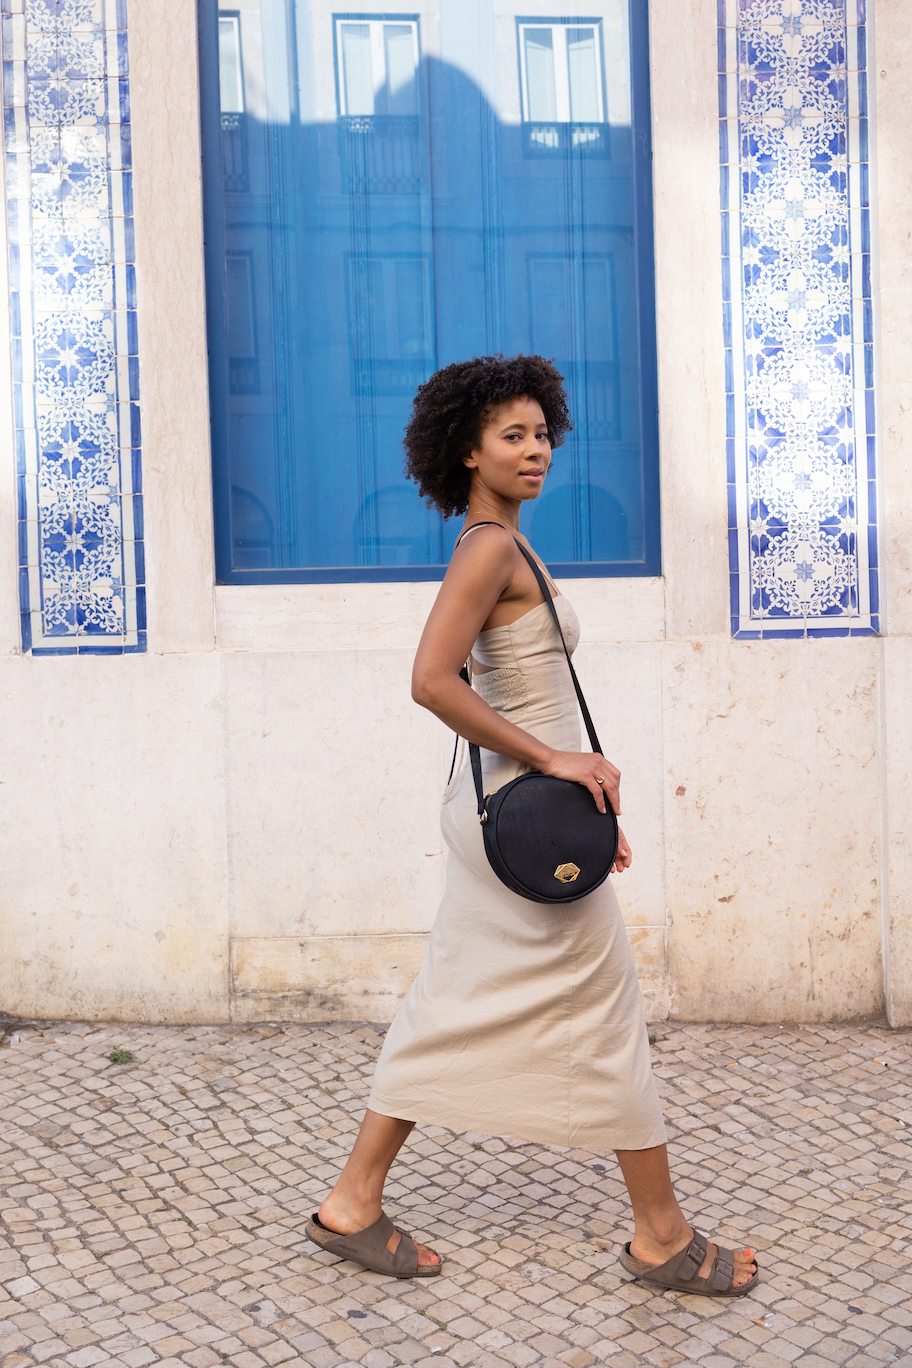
(451, 408)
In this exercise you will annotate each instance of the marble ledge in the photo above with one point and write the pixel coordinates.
(342, 617)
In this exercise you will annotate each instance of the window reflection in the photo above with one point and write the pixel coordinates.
(395, 192)
(561, 73)
(231, 83)
(377, 66)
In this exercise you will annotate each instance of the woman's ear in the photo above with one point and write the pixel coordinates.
(470, 461)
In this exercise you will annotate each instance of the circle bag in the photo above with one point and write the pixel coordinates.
(544, 837)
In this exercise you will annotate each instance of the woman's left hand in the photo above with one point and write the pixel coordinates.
(624, 855)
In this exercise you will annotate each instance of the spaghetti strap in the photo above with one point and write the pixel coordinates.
(471, 528)
(489, 522)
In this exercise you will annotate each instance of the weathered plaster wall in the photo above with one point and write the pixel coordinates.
(242, 824)
(112, 838)
(891, 68)
(772, 796)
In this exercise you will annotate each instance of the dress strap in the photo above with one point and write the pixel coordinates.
(489, 522)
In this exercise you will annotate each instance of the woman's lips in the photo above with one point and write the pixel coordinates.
(532, 474)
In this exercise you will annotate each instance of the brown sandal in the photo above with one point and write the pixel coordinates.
(369, 1248)
(679, 1273)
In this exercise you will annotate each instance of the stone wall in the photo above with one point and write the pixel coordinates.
(241, 821)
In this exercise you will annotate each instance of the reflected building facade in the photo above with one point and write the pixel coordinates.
(396, 192)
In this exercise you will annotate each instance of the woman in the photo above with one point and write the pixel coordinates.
(525, 1020)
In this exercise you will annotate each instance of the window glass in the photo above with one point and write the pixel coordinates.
(401, 63)
(389, 192)
(232, 90)
(357, 69)
(583, 75)
(541, 99)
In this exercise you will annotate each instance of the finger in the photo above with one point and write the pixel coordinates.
(597, 793)
(609, 789)
(611, 779)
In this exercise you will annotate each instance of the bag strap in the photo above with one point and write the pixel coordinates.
(474, 753)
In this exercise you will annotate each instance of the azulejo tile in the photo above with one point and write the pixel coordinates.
(72, 281)
(796, 229)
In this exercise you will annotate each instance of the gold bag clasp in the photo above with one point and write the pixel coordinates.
(567, 872)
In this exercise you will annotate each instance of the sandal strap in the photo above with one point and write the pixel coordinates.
(368, 1247)
(686, 1263)
(722, 1274)
(682, 1271)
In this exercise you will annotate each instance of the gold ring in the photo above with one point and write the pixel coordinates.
(599, 781)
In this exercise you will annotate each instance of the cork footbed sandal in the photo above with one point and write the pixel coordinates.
(679, 1273)
(369, 1248)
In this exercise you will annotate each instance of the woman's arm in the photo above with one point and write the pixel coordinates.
(480, 573)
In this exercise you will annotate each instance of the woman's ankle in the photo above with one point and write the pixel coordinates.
(662, 1229)
(352, 1205)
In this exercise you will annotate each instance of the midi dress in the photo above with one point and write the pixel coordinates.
(525, 1019)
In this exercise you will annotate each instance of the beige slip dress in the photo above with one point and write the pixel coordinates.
(525, 1019)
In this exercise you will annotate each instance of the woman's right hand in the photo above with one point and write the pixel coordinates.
(587, 768)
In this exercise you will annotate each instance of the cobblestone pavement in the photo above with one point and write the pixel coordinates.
(152, 1212)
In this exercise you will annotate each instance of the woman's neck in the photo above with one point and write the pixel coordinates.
(494, 510)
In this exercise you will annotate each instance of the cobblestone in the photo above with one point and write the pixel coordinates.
(152, 1213)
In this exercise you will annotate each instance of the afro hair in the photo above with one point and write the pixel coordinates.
(452, 407)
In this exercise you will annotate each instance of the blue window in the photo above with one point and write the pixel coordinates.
(389, 192)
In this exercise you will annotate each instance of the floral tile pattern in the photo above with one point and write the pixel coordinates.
(796, 242)
(73, 313)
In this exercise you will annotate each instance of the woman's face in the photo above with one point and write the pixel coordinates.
(513, 453)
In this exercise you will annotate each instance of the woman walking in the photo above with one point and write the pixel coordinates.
(525, 1020)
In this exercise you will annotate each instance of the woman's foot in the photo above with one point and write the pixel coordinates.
(346, 1217)
(650, 1249)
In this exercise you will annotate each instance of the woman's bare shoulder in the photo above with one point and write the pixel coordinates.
(484, 558)
(492, 537)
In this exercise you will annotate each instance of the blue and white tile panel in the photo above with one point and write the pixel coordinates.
(796, 244)
(68, 186)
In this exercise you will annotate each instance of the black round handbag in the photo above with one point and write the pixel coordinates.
(544, 837)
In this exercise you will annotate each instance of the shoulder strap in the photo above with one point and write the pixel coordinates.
(474, 753)
(542, 584)
(487, 522)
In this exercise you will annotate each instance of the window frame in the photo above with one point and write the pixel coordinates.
(561, 69)
(376, 24)
(650, 566)
(232, 18)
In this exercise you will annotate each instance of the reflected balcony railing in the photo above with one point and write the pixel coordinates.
(381, 153)
(235, 155)
(595, 394)
(388, 375)
(559, 139)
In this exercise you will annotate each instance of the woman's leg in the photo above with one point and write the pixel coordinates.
(355, 1201)
(660, 1229)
